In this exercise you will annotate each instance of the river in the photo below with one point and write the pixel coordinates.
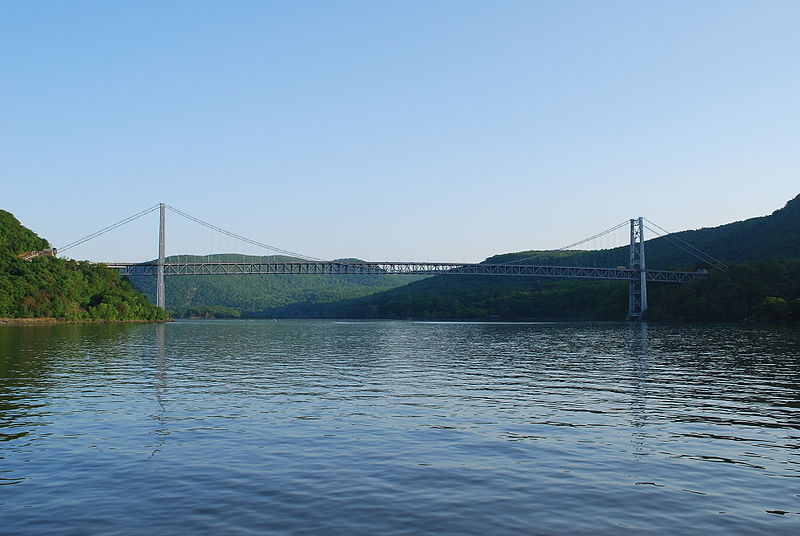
(389, 427)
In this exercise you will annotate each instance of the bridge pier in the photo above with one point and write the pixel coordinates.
(161, 295)
(637, 288)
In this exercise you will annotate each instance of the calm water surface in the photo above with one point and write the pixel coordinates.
(347, 428)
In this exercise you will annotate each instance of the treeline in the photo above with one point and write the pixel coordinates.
(211, 311)
(47, 287)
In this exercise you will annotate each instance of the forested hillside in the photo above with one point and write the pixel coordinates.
(15, 239)
(50, 287)
(469, 297)
(256, 295)
(758, 291)
(766, 287)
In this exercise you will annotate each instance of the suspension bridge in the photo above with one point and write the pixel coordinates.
(635, 273)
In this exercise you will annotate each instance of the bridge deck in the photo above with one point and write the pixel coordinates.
(412, 268)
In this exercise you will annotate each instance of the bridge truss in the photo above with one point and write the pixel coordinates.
(399, 268)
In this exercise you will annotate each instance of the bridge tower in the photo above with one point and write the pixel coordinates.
(637, 289)
(161, 296)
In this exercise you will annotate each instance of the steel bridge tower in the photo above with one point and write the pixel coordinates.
(161, 295)
(637, 289)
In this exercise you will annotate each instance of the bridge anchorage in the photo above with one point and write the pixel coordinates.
(635, 273)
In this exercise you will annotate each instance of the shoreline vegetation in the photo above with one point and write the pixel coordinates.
(40, 322)
(50, 321)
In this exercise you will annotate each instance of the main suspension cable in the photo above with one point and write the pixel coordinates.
(544, 253)
(107, 229)
(242, 238)
(688, 248)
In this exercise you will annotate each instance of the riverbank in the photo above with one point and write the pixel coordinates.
(49, 321)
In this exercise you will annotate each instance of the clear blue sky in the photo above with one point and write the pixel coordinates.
(413, 130)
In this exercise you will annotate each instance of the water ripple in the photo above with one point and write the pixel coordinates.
(319, 427)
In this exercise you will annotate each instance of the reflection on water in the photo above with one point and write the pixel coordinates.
(399, 428)
(161, 431)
